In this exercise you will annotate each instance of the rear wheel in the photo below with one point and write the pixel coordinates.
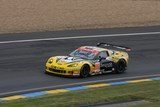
(84, 72)
(120, 66)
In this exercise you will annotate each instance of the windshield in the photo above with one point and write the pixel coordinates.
(83, 54)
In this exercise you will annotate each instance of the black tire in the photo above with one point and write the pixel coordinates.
(120, 66)
(84, 72)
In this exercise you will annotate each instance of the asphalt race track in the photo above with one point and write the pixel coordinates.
(22, 63)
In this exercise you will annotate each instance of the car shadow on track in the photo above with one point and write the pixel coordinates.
(91, 76)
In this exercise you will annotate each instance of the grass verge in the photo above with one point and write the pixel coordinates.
(149, 91)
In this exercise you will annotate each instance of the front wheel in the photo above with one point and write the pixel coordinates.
(84, 72)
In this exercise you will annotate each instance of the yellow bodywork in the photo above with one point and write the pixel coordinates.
(56, 66)
(116, 55)
(63, 68)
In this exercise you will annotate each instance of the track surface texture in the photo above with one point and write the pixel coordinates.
(22, 64)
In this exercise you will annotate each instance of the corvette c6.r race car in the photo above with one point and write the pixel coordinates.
(90, 60)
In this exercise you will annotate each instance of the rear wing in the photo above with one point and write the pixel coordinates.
(114, 46)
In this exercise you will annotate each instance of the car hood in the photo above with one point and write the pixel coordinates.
(67, 59)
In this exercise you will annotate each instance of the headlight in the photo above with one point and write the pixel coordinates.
(73, 65)
(50, 61)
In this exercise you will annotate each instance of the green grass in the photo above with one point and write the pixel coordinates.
(149, 91)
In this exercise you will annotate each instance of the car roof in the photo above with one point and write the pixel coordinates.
(93, 48)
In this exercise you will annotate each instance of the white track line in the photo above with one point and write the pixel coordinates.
(80, 83)
(78, 37)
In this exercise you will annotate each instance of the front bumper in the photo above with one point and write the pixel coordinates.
(62, 72)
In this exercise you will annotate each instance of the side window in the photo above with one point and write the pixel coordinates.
(107, 53)
(103, 54)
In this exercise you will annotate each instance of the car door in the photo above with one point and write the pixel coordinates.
(105, 64)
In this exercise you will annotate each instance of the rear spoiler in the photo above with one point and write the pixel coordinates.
(114, 46)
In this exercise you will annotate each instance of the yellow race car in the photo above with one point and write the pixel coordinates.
(90, 60)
